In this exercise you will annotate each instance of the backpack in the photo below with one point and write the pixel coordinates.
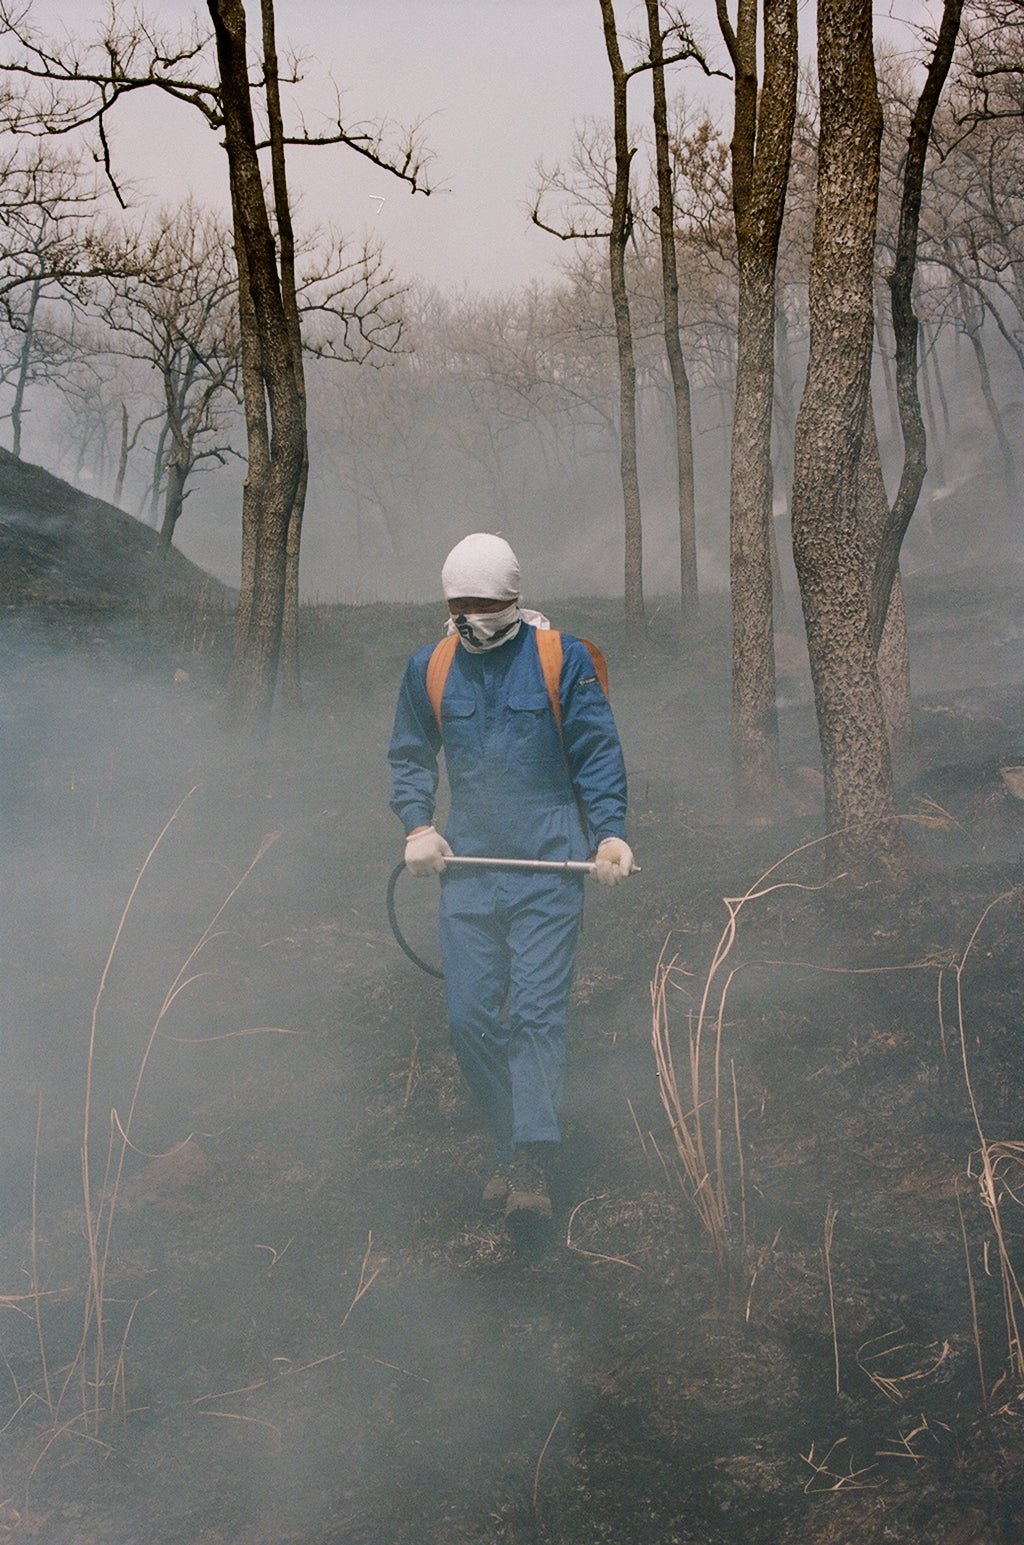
(549, 648)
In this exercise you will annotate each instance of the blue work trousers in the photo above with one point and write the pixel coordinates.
(508, 947)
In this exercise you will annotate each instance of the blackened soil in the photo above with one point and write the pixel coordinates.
(313, 1331)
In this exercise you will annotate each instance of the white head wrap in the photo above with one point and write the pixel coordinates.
(481, 565)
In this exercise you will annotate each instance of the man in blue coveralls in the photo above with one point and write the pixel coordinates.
(522, 786)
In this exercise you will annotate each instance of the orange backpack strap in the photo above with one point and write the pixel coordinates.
(549, 650)
(438, 666)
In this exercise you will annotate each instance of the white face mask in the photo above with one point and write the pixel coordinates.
(481, 631)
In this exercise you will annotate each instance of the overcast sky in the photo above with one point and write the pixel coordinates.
(496, 86)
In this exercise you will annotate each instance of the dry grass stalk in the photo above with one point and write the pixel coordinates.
(891, 1385)
(901, 1448)
(831, 1214)
(366, 1280)
(639, 1133)
(540, 1460)
(994, 1159)
(696, 1122)
(942, 1018)
(765, 1254)
(97, 1372)
(825, 1478)
(974, 1300)
(594, 1255)
(34, 1264)
(739, 1154)
(687, 1125)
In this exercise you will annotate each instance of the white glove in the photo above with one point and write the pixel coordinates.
(426, 851)
(614, 860)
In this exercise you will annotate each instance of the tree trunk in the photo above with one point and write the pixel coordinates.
(782, 475)
(761, 146)
(257, 436)
(122, 459)
(827, 541)
(894, 647)
(881, 344)
(261, 610)
(174, 499)
(290, 683)
(973, 318)
(158, 471)
(618, 237)
(689, 593)
(905, 325)
(24, 365)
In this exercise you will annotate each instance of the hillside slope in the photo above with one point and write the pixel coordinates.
(60, 544)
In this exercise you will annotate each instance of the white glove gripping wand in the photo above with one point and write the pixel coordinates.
(538, 865)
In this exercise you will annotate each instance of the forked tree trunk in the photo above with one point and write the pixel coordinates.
(828, 546)
(261, 606)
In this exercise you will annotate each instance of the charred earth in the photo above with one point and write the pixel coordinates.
(277, 1312)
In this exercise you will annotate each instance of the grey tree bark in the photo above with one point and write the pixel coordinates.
(24, 365)
(689, 593)
(761, 148)
(621, 220)
(258, 628)
(828, 545)
(290, 682)
(905, 323)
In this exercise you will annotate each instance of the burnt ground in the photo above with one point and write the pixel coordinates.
(312, 1332)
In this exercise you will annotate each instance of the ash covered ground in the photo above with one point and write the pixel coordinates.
(312, 1331)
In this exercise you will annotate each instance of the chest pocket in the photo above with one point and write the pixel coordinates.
(534, 740)
(537, 705)
(460, 733)
(457, 708)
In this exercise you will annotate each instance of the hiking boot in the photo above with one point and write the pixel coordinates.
(527, 1189)
(495, 1192)
(528, 1205)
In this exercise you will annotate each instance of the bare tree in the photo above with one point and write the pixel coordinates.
(179, 316)
(670, 321)
(618, 235)
(604, 192)
(50, 254)
(73, 88)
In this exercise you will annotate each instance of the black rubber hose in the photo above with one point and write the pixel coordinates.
(393, 920)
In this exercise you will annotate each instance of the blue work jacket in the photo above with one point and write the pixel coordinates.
(518, 788)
